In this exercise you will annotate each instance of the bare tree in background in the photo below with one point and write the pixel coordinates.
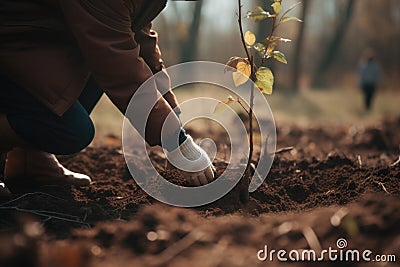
(333, 46)
(296, 71)
(189, 46)
(183, 44)
(383, 34)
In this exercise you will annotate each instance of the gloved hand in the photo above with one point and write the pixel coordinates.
(193, 161)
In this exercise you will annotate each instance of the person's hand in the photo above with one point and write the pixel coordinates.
(193, 161)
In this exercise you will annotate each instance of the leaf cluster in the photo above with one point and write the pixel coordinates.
(266, 48)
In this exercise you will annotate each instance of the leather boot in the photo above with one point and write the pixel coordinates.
(40, 168)
(8, 138)
(4, 192)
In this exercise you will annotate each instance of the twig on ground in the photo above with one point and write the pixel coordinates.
(396, 162)
(172, 251)
(369, 177)
(217, 251)
(30, 194)
(57, 216)
(53, 213)
(337, 218)
(382, 185)
(284, 149)
(49, 215)
(359, 161)
(312, 239)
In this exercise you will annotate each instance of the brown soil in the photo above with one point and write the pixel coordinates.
(336, 183)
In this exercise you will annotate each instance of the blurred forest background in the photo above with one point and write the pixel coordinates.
(331, 39)
(320, 83)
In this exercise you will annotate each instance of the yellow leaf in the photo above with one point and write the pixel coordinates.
(233, 61)
(277, 7)
(250, 38)
(265, 80)
(222, 106)
(242, 74)
(271, 48)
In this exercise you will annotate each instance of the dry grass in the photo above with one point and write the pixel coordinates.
(309, 107)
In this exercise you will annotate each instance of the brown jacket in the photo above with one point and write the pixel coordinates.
(51, 47)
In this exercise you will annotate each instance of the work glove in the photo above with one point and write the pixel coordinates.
(193, 162)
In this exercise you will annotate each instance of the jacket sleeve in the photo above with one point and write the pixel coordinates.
(103, 31)
(149, 49)
(151, 53)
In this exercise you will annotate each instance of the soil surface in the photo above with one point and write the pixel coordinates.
(339, 182)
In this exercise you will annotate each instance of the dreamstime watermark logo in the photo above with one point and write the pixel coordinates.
(197, 73)
(341, 243)
(339, 253)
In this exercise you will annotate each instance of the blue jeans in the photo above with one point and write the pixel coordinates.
(40, 127)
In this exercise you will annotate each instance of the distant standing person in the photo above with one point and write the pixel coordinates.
(369, 72)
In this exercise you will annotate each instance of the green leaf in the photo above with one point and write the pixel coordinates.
(249, 38)
(259, 47)
(258, 14)
(277, 7)
(265, 80)
(286, 19)
(241, 76)
(222, 106)
(279, 56)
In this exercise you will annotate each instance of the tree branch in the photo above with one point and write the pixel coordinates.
(241, 30)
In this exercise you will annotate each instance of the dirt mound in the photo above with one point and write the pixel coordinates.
(160, 235)
(334, 183)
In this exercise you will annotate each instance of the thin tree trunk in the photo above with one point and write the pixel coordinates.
(296, 71)
(334, 45)
(189, 48)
